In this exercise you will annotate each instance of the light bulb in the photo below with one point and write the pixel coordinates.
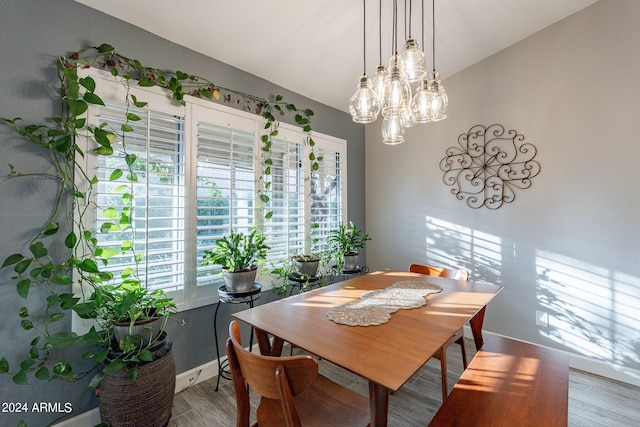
(411, 61)
(397, 93)
(377, 83)
(364, 106)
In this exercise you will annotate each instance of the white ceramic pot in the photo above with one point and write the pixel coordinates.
(148, 330)
(309, 268)
(240, 281)
(351, 261)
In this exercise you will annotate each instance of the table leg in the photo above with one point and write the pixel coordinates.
(476, 327)
(378, 404)
(266, 349)
(250, 302)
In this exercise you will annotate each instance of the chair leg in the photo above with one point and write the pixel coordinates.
(443, 371)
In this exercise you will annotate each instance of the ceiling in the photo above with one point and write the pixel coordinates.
(314, 47)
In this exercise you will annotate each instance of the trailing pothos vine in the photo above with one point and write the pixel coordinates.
(85, 260)
(302, 119)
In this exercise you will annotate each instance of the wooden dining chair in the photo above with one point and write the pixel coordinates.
(458, 337)
(293, 393)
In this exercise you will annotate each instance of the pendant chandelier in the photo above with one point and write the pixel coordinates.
(390, 91)
(364, 105)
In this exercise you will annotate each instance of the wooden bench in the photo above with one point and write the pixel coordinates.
(509, 383)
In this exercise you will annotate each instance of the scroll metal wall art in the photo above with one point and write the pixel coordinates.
(489, 166)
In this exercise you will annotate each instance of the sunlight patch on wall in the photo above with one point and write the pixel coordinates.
(593, 311)
(457, 246)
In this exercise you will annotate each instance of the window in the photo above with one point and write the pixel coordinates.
(327, 195)
(198, 170)
(158, 207)
(285, 231)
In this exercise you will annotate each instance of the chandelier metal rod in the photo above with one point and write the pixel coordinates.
(405, 19)
(380, 30)
(364, 37)
(433, 17)
(394, 36)
(422, 21)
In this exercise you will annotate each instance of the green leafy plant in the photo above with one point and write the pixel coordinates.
(302, 119)
(125, 305)
(305, 257)
(345, 240)
(102, 297)
(238, 251)
(289, 279)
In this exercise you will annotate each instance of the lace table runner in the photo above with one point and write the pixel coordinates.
(375, 307)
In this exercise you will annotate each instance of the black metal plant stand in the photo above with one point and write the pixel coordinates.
(226, 297)
(359, 270)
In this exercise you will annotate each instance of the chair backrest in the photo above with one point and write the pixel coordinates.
(450, 273)
(277, 378)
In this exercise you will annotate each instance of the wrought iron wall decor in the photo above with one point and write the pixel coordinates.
(489, 166)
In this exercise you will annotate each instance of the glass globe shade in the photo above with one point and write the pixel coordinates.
(394, 62)
(364, 106)
(421, 103)
(392, 131)
(377, 83)
(439, 100)
(397, 94)
(406, 116)
(411, 61)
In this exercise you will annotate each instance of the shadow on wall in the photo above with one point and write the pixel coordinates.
(593, 310)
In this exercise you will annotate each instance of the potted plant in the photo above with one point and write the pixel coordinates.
(239, 255)
(345, 243)
(299, 273)
(128, 313)
(306, 264)
(135, 353)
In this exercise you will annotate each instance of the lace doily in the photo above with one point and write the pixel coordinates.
(376, 307)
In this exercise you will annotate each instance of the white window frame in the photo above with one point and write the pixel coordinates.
(107, 87)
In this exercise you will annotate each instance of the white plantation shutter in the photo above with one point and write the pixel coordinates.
(198, 170)
(327, 194)
(225, 186)
(157, 233)
(285, 229)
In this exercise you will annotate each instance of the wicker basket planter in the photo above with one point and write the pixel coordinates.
(148, 400)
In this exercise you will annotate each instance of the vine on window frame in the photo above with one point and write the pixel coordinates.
(37, 266)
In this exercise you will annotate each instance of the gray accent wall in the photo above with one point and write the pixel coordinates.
(32, 35)
(567, 246)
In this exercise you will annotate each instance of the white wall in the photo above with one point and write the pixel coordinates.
(569, 244)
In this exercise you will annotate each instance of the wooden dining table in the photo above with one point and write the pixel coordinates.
(387, 355)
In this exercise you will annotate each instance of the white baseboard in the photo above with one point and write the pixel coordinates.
(196, 375)
(593, 366)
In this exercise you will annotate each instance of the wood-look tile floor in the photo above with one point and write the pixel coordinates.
(593, 401)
